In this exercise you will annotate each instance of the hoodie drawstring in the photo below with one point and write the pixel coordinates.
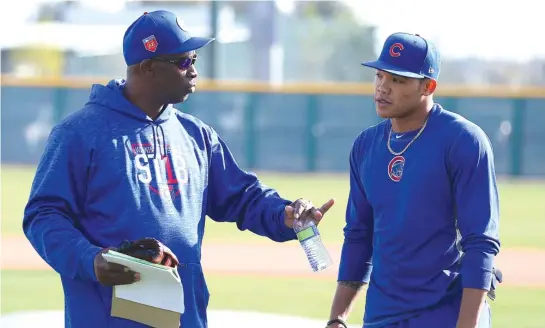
(156, 144)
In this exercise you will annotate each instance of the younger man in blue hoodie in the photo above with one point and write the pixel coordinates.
(129, 166)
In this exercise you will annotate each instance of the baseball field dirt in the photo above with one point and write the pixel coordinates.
(284, 259)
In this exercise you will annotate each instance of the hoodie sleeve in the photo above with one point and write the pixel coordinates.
(238, 196)
(477, 205)
(56, 197)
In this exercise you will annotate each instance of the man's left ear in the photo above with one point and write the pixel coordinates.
(430, 87)
(146, 66)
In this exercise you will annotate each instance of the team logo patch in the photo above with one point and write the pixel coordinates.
(395, 49)
(150, 43)
(395, 168)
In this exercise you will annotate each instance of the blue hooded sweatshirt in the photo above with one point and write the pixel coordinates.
(110, 173)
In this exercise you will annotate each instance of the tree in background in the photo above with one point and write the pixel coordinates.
(322, 41)
(330, 43)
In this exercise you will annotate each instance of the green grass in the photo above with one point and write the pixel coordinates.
(515, 307)
(521, 224)
(522, 210)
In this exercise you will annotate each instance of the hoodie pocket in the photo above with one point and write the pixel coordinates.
(196, 294)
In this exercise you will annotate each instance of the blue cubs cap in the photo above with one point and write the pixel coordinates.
(158, 33)
(408, 55)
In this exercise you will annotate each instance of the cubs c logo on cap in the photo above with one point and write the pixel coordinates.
(395, 49)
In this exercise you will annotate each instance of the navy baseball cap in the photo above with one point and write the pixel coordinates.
(408, 55)
(158, 33)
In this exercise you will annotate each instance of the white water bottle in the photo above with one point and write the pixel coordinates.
(309, 238)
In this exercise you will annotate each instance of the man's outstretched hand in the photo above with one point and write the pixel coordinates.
(304, 209)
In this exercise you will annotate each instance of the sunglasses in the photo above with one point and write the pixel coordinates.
(183, 63)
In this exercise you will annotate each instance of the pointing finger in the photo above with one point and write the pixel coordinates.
(327, 206)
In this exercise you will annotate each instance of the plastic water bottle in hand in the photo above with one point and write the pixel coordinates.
(309, 237)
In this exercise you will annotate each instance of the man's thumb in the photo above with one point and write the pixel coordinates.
(289, 211)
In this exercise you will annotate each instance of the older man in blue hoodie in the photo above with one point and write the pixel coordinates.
(128, 166)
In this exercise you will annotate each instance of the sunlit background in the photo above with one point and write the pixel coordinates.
(283, 85)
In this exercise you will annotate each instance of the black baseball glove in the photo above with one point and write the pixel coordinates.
(149, 249)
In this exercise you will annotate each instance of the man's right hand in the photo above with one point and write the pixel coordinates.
(112, 274)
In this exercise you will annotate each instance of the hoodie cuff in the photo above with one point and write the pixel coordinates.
(476, 270)
(87, 264)
(356, 264)
(286, 232)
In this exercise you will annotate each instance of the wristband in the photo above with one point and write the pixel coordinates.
(337, 321)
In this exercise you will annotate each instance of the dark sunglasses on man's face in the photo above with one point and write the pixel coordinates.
(183, 63)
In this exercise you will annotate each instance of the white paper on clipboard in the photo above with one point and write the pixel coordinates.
(159, 286)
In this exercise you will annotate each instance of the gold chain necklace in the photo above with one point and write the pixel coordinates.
(410, 143)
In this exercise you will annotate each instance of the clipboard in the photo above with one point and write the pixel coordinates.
(156, 300)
